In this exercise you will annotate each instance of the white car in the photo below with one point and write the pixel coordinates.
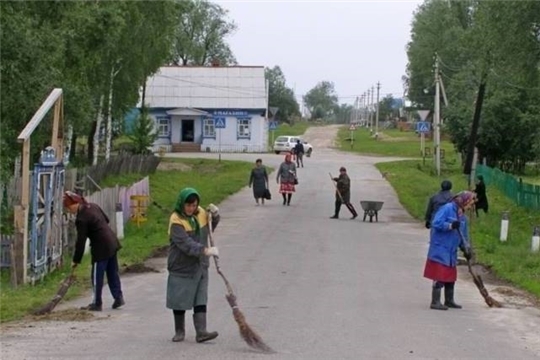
(287, 143)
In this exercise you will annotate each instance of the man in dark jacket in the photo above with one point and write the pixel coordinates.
(299, 152)
(438, 200)
(92, 223)
(343, 194)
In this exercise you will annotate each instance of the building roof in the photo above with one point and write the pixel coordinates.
(235, 87)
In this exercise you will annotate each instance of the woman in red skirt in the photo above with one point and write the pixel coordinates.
(286, 177)
(444, 242)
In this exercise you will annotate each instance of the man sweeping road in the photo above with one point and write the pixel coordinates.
(343, 194)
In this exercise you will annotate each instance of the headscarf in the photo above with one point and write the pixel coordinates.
(179, 207)
(71, 198)
(464, 198)
(288, 158)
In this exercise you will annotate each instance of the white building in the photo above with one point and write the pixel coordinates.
(187, 102)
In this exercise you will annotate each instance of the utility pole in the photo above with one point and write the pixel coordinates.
(357, 106)
(377, 115)
(371, 108)
(437, 119)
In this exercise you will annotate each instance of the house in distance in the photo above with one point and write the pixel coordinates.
(208, 108)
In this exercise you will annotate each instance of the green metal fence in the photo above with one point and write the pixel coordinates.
(523, 194)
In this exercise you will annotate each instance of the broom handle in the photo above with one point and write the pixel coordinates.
(216, 258)
(335, 186)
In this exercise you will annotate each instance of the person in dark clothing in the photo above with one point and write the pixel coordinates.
(343, 194)
(481, 196)
(259, 180)
(299, 152)
(188, 262)
(438, 200)
(92, 223)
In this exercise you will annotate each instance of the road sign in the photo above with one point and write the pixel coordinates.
(423, 114)
(273, 125)
(352, 127)
(219, 122)
(423, 127)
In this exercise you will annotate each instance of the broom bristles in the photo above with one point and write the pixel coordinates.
(248, 334)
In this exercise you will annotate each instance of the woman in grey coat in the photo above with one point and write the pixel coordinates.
(286, 177)
(187, 284)
(259, 181)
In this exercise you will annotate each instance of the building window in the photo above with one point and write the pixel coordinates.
(163, 126)
(243, 129)
(209, 131)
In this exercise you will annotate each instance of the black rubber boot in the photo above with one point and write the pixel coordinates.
(449, 296)
(179, 326)
(436, 299)
(199, 320)
(336, 211)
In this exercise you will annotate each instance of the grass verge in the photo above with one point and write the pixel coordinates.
(299, 128)
(392, 142)
(511, 260)
(215, 182)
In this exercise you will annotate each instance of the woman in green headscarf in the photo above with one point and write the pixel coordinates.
(187, 284)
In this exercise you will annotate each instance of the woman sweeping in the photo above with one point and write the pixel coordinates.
(259, 181)
(286, 177)
(187, 284)
(444, 242)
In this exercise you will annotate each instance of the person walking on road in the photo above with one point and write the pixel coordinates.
(343, 194)
(259, 180)
(299, 151)
(187, 263)
(481, 196)
(92, 223)
(438, 200)
(286, 177)
(444, 242)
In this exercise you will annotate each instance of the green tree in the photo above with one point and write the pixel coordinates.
(280, 95)
(143, 134)
(200, 35)
(322, 100)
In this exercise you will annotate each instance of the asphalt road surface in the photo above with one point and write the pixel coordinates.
(314, 288)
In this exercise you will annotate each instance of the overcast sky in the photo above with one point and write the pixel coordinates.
(351, 43)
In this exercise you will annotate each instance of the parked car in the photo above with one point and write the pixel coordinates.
(287, 143)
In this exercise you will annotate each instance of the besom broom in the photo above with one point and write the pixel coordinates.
(491, 302)
(62, 290)
(248, 334)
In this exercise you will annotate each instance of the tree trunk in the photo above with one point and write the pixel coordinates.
(474, 128)
(109, 118)
(97, 131)
(73, 147)
(90, 142)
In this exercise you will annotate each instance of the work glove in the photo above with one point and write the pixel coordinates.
(428, 225)
(213, 209)
(455, 225)
(211, 251)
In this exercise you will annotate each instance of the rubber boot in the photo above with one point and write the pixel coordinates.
(449, 296)
(179, 327)
(336, 211)
(436, 299)
(199, 320)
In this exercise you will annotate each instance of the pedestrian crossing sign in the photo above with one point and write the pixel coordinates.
(423, 127)
(272, 125)
(219, 122)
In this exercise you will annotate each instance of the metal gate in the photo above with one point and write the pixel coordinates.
(47, 224)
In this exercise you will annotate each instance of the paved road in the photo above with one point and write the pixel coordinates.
(313, 287)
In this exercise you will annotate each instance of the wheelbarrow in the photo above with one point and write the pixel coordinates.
(371, 209)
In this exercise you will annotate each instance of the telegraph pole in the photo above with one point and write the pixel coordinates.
(437, 119)
(377, 115)
(371, 113)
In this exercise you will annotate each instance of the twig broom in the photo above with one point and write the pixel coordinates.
(491, 302)
(62, 290)
(248, 334)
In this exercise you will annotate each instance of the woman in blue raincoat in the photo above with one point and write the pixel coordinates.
(445, 240)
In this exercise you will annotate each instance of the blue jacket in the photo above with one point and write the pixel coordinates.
(444, 242)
